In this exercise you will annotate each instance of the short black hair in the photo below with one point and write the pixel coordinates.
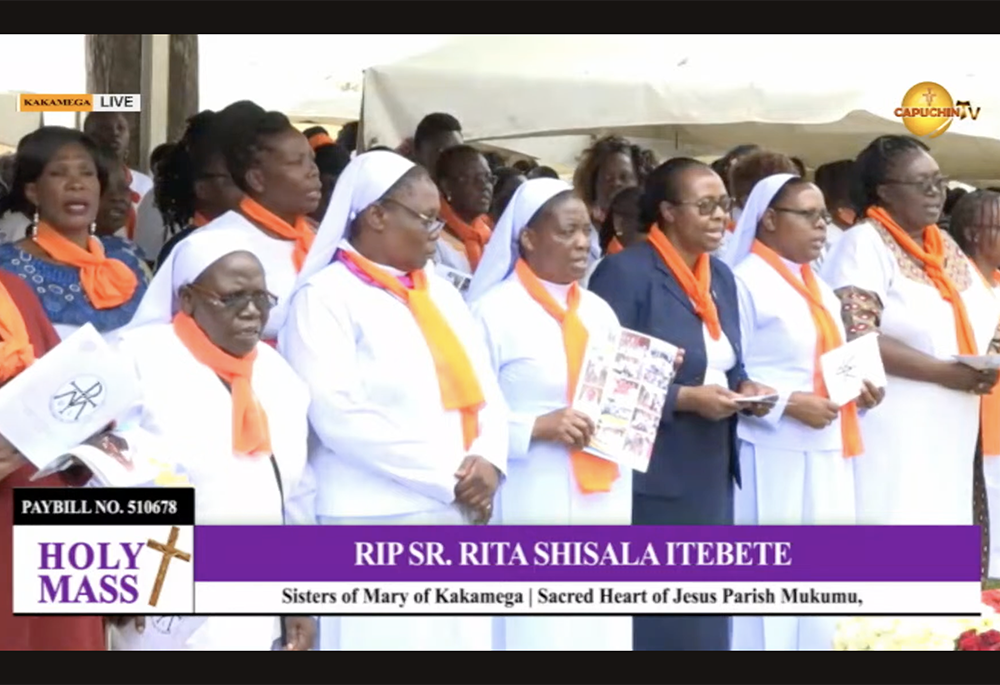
(975, 210)
(313, 130)
(724, 164)
(34, 152)
(181, 167)
(434, 125)
(873, 164)
(495, 160)
(835, 180)
(332, 159)
(954, 195)
(543, 172)
(446, 162)
(662, 185)
(243, 126)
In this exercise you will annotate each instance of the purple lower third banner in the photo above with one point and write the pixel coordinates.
(241, 554)
(98, 551)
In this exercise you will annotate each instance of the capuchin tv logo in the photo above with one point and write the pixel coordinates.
(85, 573)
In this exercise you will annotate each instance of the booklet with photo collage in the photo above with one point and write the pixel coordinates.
(622, 388)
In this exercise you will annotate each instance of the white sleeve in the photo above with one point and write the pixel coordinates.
(859, 260)
(748, 324)
(318, 341)
(493, 438)
(519, 425)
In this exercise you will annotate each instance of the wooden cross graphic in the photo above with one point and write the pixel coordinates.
(169, 551)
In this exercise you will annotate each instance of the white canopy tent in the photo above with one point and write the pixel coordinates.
(820, 98)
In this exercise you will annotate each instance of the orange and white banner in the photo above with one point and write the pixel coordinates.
(86, 102)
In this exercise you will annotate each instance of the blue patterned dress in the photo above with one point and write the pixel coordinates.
(58, 286)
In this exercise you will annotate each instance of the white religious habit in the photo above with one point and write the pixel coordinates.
(385, 450)
(920, 441)
(529, 358)
(186, 419)
(792, 474)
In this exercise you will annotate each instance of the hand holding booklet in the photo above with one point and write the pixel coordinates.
(67, 396)
(846, 368)
(623, 389)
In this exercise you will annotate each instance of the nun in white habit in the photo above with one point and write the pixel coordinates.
(536, 320)
(796, 462)
(409, 425)
(219, 406)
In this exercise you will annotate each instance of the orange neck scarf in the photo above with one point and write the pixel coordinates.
(302, 232)
(130, 218)
(108, 283)
(593, 474)
(474, 236)
(199, 220)
(931, 255)
(615, 246)
(251, 436)
(318, 140)
(827, 338)
(731, 226)
(459, 386)
(696, 283)
(16, 350)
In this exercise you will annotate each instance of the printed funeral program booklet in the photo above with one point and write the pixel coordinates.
(622, 388)
(111, 462)
(70, 394)
(846, 368)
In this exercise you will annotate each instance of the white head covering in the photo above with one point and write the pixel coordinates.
(502, 251)
(364, 181)
(184, 264)
(741, 242)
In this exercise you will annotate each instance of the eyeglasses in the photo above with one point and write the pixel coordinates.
(262, 300)
(924, 185)
(431, 224)
(707, 206)
(813, 215)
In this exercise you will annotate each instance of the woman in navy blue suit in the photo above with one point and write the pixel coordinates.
(671, 288)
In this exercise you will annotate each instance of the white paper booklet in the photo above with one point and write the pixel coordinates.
(459, 279)
(984, 362)
(622, 388)
(846, 368)
(112, 466)
(73, 392)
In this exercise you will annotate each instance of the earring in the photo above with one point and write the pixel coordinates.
(33, 226)
(93, 227)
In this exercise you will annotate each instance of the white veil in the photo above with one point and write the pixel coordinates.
(183, 265)
(741, 242)
(364, 181)
(502, 252)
